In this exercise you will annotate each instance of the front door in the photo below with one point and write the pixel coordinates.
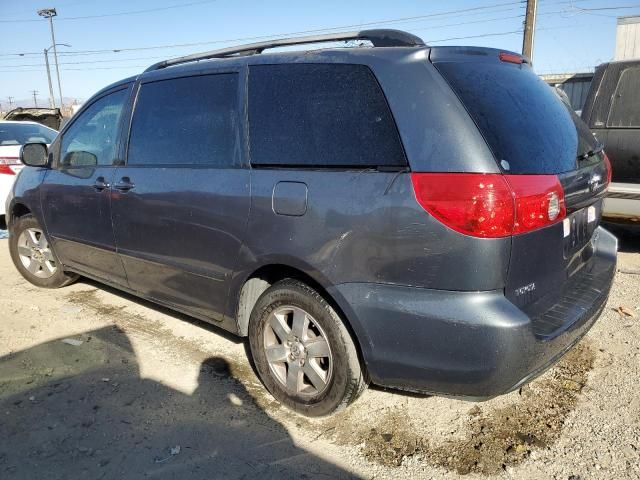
(181, 203)
(76, 191)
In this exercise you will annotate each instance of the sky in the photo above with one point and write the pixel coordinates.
(571, 35)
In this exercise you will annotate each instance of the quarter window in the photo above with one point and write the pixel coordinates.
(187, 121)
(320, 115)
(625, 108)
(91, 139)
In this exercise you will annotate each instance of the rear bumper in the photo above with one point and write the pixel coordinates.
(470, 344)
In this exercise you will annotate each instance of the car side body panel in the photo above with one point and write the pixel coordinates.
(179, 232)
(386, 239)
(25, 193)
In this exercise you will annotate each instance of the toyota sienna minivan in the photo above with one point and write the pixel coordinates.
(420, 218)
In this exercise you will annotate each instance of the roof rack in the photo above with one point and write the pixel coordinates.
(378, 37)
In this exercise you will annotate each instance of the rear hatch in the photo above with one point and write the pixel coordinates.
(49, 117)
(535, 139)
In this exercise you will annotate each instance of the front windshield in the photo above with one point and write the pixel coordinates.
(21, 133)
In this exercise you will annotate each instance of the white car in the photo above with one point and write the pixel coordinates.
(12, 136)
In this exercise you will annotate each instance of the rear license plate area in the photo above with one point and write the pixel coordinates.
(578, 228)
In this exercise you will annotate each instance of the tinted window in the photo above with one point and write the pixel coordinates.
(91, 138)
(522, 119)
(320, 115)
(625, 110)
(21, 133)
(188, 121)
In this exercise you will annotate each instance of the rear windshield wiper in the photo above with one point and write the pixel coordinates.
(592, 152)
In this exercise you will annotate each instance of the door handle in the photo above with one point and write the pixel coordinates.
(100, 184)
(124, 185)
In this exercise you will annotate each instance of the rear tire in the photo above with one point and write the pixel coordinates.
(302, 350)
(33, 256)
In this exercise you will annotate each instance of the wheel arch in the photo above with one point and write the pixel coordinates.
(257, 282)
(17, 210)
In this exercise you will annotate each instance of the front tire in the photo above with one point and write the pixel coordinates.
(33, 256)
(302, 350)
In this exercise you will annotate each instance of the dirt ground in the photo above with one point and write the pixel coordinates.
(97, 384)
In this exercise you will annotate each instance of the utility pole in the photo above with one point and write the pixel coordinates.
(10, 103)
(35, 95)
(50, 13)
(52, 100)
(529, 28)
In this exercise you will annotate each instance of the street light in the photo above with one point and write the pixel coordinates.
(52, 99)
(50, 13)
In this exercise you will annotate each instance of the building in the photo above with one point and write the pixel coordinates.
(575, 85)
(627, 38)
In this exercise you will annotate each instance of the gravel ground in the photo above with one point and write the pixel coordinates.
(98, 384)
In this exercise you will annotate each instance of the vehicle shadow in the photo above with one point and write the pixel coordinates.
(164, 310)
(628, 236)
(218, 331)
(83, 411)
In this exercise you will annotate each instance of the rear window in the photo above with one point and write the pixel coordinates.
(320, 115)
(21, 133)
(528, 128)
(625, 111)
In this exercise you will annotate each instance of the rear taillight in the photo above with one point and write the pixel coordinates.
(490, 205)
(5, 165)
(539, 201)
(474, 204)
(607, 162)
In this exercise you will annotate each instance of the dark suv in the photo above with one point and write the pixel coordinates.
(420, 218)
(612, 111)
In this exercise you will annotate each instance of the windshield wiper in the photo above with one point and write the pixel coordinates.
(591, 152)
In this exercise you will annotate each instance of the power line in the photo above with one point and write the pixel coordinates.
(201, 2)
(491, 34)
(594, 11)
(104, 15)
(301, 32)
(86, 62)
(427, 17)
(459, 12)
(607, 8)
(430, 41)
(164, 56)
(112, 67)
(496, 34)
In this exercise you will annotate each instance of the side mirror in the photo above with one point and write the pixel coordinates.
(34, 155)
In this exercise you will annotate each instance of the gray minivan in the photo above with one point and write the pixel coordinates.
(422, 218)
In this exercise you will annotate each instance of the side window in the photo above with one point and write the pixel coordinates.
(326, 115)
(625, 108)
(187, 121)
(91, 139)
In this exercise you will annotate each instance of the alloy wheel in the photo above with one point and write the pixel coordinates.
(298, 351)
(35, 254)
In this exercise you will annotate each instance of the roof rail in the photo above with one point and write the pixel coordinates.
(378, 37)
